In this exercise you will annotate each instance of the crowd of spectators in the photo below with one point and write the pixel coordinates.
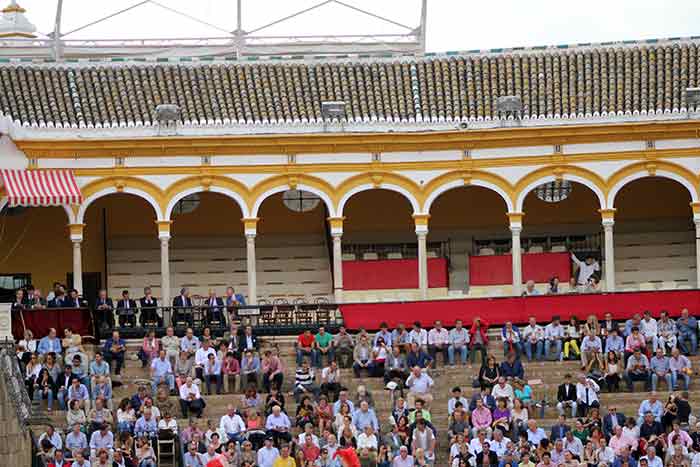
(497, 423)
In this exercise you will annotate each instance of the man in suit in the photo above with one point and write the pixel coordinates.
(214, 312)
(183, 307)
(149, 312)
(485, 396)
(611, 420)
(34, 298)
(248, 341)
(62, 383)
(559, 429)
(104, 310)
(73, 300)
(566, 396)
(19, 303)
(59, 298)
(126, 309)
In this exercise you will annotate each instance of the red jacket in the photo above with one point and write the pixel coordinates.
(483, 330)
(66, 463)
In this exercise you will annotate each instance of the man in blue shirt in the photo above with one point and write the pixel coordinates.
(49, 343)
(162, 372)
(417, 357)
(687, 331)
(146, 425)
(98, 367)
(365, 416)
(113, 351)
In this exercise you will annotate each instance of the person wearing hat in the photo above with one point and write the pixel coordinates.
(268, 453)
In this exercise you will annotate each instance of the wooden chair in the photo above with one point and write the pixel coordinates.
(166, 448)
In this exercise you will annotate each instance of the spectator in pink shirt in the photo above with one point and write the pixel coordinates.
(619, 441)
(481, 418)
(231, 369)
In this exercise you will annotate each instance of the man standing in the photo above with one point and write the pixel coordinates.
(149, 309)
(126, 310)
(586, 269)
(182, 308)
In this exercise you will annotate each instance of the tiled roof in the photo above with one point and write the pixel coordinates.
(554, 83)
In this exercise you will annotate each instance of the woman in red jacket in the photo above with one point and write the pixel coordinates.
(479, 338)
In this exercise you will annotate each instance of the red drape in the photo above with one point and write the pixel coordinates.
(498, 269)
(392, 274)
(517, 309)
(40, 321)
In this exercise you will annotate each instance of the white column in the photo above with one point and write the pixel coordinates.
(164, 269)
(337, 267)
(609, 255)
(77, 266)
(422, 264)
(252, 275)
(250, 229)
(516, 226)
(76, 237)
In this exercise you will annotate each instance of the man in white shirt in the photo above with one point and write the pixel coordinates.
(439, 341)
(586, 394)
(553, 337)
(591, 345)
(573, 444)
(419, 384)
(585, 270)
(201, 359)
(503, 389)
(233, 425)
(418, 336)
(499, 443)
(533, 338)
(650, 330)
(367, 439)
(459, 342)
(456, 397)
(191, 399)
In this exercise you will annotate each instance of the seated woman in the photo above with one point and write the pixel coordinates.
(324, 414)
(126, 417)
(145, 455)
(501, 415)
(149, 348)
(75, 415)
(44, 387)
(73, 344)
(251, 398)
(274, 398)
(339, 421)
(305, 413)
(523, 391)
(255, 428)
(489, 373)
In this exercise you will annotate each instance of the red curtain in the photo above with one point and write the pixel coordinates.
(497, 311)
(40, 321)
(498, 269)
(392, 274)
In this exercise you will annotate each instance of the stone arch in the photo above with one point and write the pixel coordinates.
(549, 174)
(215, 184)
(281, 183)
(452, 180)
(130, 185)
(381, 180)
(633, 172)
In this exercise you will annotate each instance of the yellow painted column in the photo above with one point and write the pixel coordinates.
(164, 237)
(336, 226)
(516, 226)
(696, 220)
(421, 221)
(250, 228)
(608, 219)
(76, 237)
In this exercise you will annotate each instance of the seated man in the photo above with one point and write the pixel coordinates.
(416, 356)
(50, 343)
(99, 367)
(365, 416)
(201, 358)
(63, 384)
(189, 343)
(511, 368)
(233, 425)
(76, 440)
(395, 367)
(149, 309)
(566, 396)
(80, 369)
(212, 373)
(171, 344)
(162, 372)
(637, 369)
(660, 368)
(362, 356)
(250, 368)
(458, 343)
(278, 425)
(78, 392)
(586, 395)
(214, 311)
(104, 310)
(419, 384)
(439, 341)
(52, 436)
(99, 415)
(653, 405)
(182, 309)
(102, 390)
(511, 339)
(304, 384)
(533, 339)
(330, 381)
(146, 425)
(102, 438)
(191, 399)
(324, 346)
(554, 337)
(126, 310)
(113, 351)
(481, 419)
(343, 345)
(687, 333)
(681, 368)
(305, 347)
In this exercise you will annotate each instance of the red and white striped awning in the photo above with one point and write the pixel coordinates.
(40, 187)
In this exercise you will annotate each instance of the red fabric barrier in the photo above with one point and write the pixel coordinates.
(497, 311)
(40, 321)
(392, 274)
(498, 269)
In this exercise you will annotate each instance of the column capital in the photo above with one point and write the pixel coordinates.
(163, 229)
(696, 211)
(76, 232)
(336, 225)
(515, 219)
(421, 221)
(250, 226)
(607, 216)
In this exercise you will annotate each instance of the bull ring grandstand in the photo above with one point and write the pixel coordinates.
(346, 181)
